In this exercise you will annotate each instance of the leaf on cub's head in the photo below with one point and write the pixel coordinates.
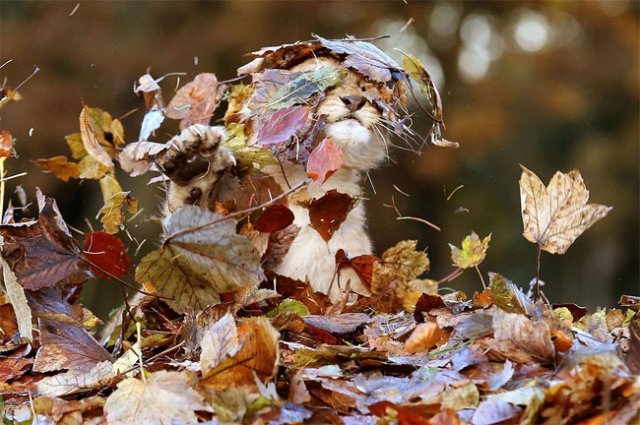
(248, 157)
(114, 201)
(60, 167)
(326, 214)
(279, 88)
(473, 251)
(196, 101)
(163, 398)
(275, 217)
(199, 260)
(279, 126)
(365, 58)
(42, 252)
(106, 255)
(101, 135)
(554, 216)
(324, 160)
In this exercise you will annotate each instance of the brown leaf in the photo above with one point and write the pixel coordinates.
(75, 381)
(196, 101)
(339, 324)
(554, 216)
(219, 342)
(275, 217)
(327, 213)
(65, 346)
(324, 160)
(42, 252)
(163, 398)
(11, 368)
(6, 144)
(137, 158)
(60, 167)
(532, 338)
(423, 338)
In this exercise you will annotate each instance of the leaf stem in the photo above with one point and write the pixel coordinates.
(2, 172)
(484, 285)
(454, 274)
(536, 286)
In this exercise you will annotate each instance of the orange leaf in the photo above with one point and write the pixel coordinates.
(324, 160)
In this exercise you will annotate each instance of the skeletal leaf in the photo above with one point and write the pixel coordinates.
(18, 301)
(199, 260)
(60, 167)
(164, 398)
(554, 216)
(472, 253)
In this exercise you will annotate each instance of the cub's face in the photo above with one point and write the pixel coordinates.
(352, 121)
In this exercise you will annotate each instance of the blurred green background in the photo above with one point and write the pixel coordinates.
(553, 85)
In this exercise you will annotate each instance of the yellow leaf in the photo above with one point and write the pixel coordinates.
(60, 167)
(92, 169)
(472, 253)
(554, 216)
(74, 141)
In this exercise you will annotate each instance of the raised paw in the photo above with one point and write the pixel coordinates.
(193, 164)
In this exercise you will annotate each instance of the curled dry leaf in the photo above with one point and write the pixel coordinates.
(326, 214)
(137, 158)
(164, 398)
(201, 257)
(506, 295)
(554, 216)
(101, 135)
(18, 301)
(339, 324)
(472, 253)
(258, 356)
(106, 255)
(419, 74)
(324, 160)
(114, 200)
(195, 102)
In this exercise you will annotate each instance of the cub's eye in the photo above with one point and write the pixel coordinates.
(353, 102)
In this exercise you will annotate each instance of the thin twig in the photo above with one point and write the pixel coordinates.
(536, 289)
(420, 220)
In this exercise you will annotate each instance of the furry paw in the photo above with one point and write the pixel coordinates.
(194, 164)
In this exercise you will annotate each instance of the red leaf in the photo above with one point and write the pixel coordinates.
(327, 213)
(6, 144)
(325, 160)
(279, 126)
(275, 217)
(106, 255)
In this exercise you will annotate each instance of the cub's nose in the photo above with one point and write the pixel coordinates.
(353, 102)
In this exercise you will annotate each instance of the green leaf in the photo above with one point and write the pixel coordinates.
(473, 251)
(290, 305)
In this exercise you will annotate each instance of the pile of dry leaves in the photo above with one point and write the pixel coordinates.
(212, 338)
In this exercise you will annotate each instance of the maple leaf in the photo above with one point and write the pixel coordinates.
(326, 214)
(324, 160)
(472, 253)
(196, 101)
(65, 346)
(199, 260)
(554, 216)
(60, 167)
(114, 200)
(42, 252)
(165, 398)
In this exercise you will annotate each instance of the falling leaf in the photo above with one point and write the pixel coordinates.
(554, 216)
(196, 101)
(60, 167)
(219, 342)
(326, 214)
(6, 144)
(114, 200)
(275, 217)
(65, 346)
(472, 253)
(199, 260)
(279, 126)
(419, 74)
(165, 398)
(42, 252)
(137, 158)
(98, 135)
(106, 255)
(151, 122)
(423, 338)
(18, 301)
(257, 357)
(151, 91)
(324, 160)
